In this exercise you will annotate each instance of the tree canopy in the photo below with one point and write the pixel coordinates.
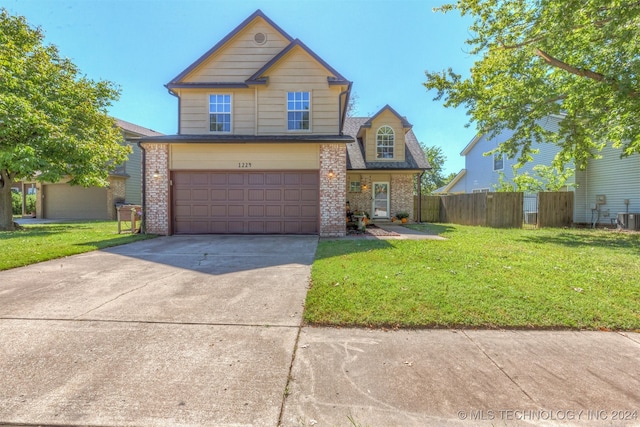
(576, 59)
(53, 120)
(433, 178)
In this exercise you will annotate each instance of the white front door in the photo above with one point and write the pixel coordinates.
(381, 200)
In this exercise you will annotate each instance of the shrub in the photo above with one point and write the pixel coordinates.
(31, 203)
(16, 203)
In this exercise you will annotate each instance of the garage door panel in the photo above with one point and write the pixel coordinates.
(308, 195)
(273, 211)
(236, 179)
(273, 195)
(235, 211)
(255, 195)
(200, 194)
(199, 179)
(256, 211)
(218, 195)
(246, 202)
(292, 195)
(219, 211)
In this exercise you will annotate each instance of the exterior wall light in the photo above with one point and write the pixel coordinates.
(156, 174)
(331, 174)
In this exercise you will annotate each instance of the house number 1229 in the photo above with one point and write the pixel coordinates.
(244, 165)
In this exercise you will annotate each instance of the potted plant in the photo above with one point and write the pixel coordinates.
(402, 216)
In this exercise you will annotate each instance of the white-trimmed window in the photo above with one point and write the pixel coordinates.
(385, 142)
(298, 110)
(498, 162)
(480, 190)
(355, 187)
(220, 113)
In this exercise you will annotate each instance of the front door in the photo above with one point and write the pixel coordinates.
(380, 200)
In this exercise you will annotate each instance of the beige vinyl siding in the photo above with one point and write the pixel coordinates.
(133, 186)
(245, 157)
(386, 118)
(298, 72)
(194, 111)
(241, 57)
(614, 177)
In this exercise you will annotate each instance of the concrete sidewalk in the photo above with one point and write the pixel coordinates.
(346, 377)
(206, 331)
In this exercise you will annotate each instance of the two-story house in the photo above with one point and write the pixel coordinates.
(264, 145)
(609, 185)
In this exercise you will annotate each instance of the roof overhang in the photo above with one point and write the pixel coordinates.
(245, 139)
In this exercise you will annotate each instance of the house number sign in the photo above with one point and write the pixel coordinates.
(244, 165)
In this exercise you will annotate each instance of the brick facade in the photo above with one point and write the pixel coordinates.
(156, 210)
(402, 194)
(333, 178)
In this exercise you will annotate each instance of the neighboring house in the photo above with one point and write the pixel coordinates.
(63, 201)
(615, 178)
(264, 145)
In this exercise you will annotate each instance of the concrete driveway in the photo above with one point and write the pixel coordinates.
(182, 330)
(206, 331)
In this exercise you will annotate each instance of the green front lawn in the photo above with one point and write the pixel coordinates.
(480, 277)
(42, 242)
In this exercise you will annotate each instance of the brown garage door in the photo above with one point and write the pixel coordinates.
(245, 202)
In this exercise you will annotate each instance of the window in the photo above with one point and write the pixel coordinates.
(480, 190)
(220, 113)
(498, 162)
(385, 140)
(298, 108)
(354, 187)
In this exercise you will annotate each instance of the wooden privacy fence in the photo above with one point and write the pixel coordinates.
(498, 210)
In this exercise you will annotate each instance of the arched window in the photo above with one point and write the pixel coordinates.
(385, 141)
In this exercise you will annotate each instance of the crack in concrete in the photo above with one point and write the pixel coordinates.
(495, 363)
(117, 297)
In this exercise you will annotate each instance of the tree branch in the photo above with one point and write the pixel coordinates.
(555, 62)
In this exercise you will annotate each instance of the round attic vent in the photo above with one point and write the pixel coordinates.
(260, 38)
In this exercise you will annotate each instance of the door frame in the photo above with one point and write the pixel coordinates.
(373, 199)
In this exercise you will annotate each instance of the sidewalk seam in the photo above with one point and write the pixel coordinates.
(499, 367)
(286, 392)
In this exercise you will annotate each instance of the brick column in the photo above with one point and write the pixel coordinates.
(401, 194)
(156, 212)
(333, 189)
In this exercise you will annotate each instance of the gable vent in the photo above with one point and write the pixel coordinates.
(260, 38)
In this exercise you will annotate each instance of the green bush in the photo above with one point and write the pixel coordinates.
(31, 203)
(16, 203)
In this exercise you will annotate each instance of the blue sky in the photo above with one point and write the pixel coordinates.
(383, 46)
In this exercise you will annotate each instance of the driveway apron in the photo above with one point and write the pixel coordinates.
(181, 330)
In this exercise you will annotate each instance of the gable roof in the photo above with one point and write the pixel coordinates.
(414, 156)
(403, 120)
(133, 128)
(257, 79)
(257, 14)
(447, 188)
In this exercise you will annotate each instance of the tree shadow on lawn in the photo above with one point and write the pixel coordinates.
(339, 247)
(614, 240)
(431, 228)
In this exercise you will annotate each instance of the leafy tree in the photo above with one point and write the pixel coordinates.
(433, 178)
(544, 178)
(53, 121)
(578, 59)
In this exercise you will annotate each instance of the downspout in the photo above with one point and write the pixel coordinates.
(419, 216)
(143, 225)
(342, 114)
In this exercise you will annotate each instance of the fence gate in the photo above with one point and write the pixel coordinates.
(530, 210)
